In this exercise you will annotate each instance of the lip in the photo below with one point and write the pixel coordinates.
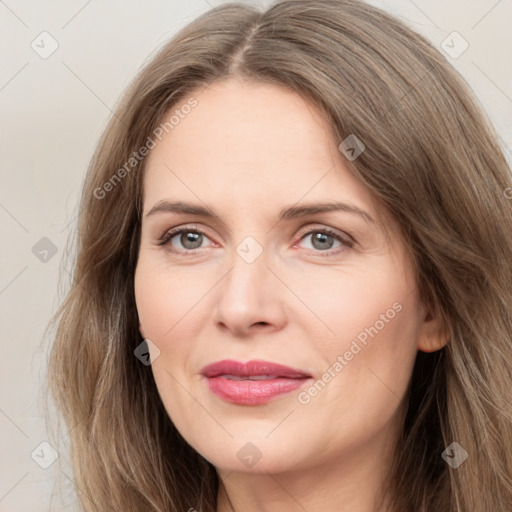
(234, 381)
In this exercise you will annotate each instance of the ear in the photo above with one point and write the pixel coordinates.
(433, 333)
(141, 331)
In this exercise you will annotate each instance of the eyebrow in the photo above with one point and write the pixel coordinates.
(289, 212)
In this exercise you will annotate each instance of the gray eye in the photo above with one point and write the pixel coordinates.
(322, 241)
(190, 239)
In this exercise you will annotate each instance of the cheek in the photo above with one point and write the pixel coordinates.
(373, 319)
(371, 359)
(356, 302)
(167, 298)
(173, 305)
(153, 299)
(165, 303)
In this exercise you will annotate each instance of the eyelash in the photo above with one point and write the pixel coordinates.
(169, 235)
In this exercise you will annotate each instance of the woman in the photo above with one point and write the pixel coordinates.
(293, 282)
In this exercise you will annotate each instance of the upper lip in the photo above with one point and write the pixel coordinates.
(251, 368)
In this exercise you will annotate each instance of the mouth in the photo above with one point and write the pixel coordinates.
(252, 383)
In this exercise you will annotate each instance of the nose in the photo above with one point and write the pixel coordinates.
(250, 298)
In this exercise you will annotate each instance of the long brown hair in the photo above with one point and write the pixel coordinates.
(431, 158)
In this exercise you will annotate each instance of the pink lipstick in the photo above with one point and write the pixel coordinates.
(252, 383)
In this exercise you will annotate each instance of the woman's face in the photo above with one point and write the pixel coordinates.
(259, 278)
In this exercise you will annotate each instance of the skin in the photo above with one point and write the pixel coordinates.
(247, 150)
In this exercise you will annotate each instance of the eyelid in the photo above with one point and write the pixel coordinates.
(346, 241)
(345, 237)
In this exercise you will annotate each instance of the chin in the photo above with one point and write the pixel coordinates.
(257, 456)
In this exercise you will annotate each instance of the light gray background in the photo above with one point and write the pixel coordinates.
(53, 112)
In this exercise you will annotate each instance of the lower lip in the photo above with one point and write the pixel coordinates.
(252, 392)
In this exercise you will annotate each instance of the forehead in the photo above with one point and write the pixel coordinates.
(249, 142)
